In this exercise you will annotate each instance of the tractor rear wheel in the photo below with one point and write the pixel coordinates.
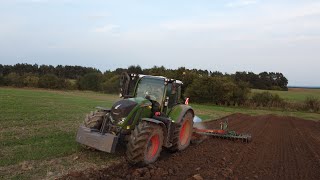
(182, 133)
(145, 144)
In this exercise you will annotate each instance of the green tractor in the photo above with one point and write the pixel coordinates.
(150, 116)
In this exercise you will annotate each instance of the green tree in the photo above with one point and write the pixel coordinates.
(111, 85)
(135, 69)
(50, 81)
(218, 90)
(241, 93)
(14, 79)
(156, 71)
(267, 99)
(71, 84)
(30, 80)
(2, 81)
(91, 81)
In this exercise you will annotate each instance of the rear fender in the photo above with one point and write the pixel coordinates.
(177, 112)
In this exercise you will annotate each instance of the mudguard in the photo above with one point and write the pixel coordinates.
(156, 122)
(177, 112)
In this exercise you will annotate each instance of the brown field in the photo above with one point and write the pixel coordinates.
(281, 148)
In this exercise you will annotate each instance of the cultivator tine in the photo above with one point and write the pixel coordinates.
(223, 133)
(233, 137)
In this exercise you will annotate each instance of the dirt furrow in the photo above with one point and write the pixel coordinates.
(282, 148)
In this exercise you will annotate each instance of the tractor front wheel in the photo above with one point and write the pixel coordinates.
(94, 119)
(145, 144)
(182, 133)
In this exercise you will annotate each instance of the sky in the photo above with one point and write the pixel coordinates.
(217, 35)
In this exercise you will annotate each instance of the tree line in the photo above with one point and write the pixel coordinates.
(201, 85)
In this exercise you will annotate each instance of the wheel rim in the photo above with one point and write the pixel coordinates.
(153, 146)
(185, 133)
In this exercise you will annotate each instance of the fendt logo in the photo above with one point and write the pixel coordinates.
(117, 106)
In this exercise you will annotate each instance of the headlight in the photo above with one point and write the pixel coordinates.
(121, 121)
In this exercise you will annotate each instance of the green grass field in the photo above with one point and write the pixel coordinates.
(41, 125)
(295, 94)
(38, 128)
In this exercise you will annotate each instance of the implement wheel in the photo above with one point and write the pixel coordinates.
(182, 133)
(145, 144)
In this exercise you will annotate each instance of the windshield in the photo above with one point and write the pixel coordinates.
(151, 87)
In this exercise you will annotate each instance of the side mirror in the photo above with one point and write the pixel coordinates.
(166, 102)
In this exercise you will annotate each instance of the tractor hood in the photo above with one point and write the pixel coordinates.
(123, 108)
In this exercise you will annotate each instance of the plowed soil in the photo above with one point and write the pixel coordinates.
(281, 148)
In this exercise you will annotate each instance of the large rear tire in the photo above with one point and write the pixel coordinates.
(145, 144)
(182, 133)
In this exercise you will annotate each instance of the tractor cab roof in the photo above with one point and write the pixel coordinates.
(159, 77)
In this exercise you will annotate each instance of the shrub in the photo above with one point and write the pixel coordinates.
(277, 88)
(267, 99)
(31, 80)
(241, 93)
(90, 81)
(50, 81)
(70, 84)
(218, 90)
(312, 104)
(14, 79)
(111, 85)
(2, 81)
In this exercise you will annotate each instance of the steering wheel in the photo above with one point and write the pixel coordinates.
(150, 96)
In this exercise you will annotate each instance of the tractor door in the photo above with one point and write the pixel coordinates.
(173, 93)
(127, 84)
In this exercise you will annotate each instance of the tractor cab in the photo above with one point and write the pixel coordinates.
(164, 93)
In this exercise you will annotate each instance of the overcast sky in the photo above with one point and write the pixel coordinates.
(222, 35)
